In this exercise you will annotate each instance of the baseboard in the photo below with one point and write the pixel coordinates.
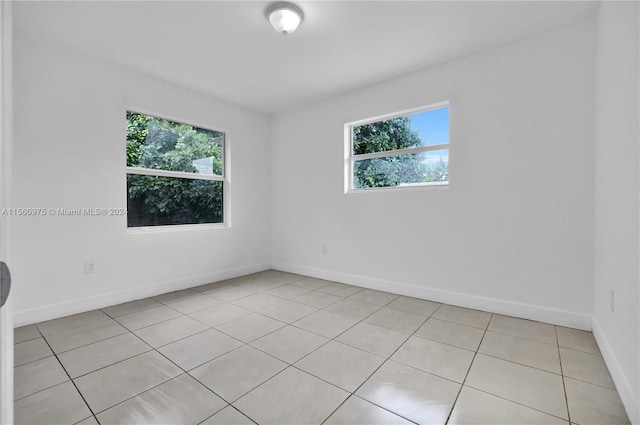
(629, 398)
(511, 308)
(54, 311)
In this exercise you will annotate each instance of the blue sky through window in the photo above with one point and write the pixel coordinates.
(433, 129)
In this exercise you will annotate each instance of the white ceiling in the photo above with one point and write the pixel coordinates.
(229, 50)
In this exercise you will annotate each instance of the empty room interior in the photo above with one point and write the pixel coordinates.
(321, 212)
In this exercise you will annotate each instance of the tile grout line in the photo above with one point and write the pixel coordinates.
(228, 406)
(523, 337)
(564, 386)
(510, 361)
(240, 285)
(353, 393)
(91, 343)
(161, 383)
(87, 345)
(519, 364)
(255, 339)
(485, 331)
(131, 312)
(120, 361)
(213, 327)
(289, 323)
(114, 363)
(518, 403)
(244, 344)
(291, 365)
(128, 331)
(531, 367)
(70, 379)
(34, 360)
(590, 383)
(247, 392)
(461, 324)
(106, 318)
(152, 324)
(334, 338)
(466, 375)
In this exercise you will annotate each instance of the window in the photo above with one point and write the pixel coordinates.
(175, 173)
(398, 150)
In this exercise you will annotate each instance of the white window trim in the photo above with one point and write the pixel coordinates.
(175, 228)
(350, 159)
(224, 178)
(177, 174)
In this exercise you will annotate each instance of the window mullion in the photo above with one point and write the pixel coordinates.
(397, 152)
(168, 173)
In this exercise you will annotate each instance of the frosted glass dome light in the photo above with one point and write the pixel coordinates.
(284, 16)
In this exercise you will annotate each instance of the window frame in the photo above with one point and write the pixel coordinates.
(350, 158)
(224, 178)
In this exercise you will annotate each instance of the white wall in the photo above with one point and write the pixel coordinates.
(616, 198)
(513, 233)
(69, 152)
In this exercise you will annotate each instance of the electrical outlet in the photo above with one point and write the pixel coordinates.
(325, 249)
(89, 267)
(612, 299)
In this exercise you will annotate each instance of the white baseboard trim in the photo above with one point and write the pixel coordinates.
(630, 399)
(54, 311)
(511, 308)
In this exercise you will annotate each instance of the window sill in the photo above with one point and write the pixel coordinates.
(443, 185)
(175, 228)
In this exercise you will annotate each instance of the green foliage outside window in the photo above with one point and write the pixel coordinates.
(390, 135)
(159, 144)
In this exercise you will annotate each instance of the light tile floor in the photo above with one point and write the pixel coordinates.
(279, 348)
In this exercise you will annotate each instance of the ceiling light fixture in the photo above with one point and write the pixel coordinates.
(284, 16)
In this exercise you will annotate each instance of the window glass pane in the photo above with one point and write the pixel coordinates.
(161, 144)
(426, 128)
(161, 201)
(402, 170)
